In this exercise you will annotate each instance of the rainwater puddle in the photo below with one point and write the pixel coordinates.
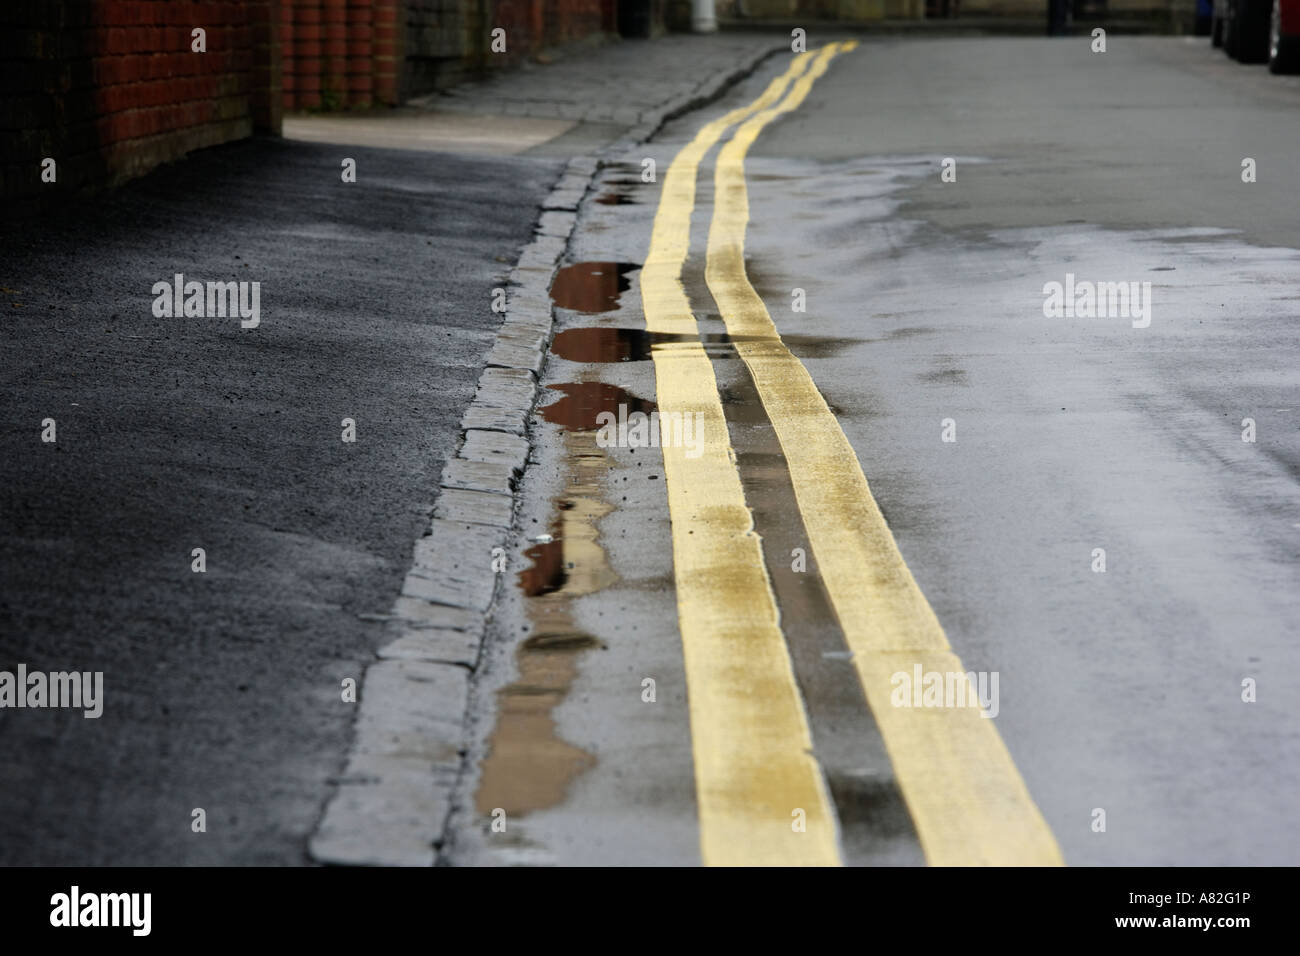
(591, 287)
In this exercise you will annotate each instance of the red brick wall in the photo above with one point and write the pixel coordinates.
(339, 54)
(110, 88)
(307, 35)
(360, 52)
(388, 46)
(532, 25)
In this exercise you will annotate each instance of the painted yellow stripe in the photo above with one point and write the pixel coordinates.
(749, 733)
(967, 799)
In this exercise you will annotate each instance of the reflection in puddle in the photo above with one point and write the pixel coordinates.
(578, 641)
(616, 199)
(583, 401)
(528, 766)
(545, 571)
(591, 286)
(637, 345)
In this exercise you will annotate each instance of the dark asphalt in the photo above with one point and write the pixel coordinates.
(222, 690)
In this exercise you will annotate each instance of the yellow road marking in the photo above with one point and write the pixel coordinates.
(749, 733)
(967, 799)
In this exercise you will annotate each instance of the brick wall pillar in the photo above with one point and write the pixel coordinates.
(267, 99)
(387, 20)
(335, 16)
(309, 35)
(361, 64)
(288, 65)
(537, 25)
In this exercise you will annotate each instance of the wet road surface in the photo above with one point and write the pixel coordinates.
(1072, 497)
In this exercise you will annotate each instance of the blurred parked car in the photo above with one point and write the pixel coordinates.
(1284, 37)
(1245, 29)
(1259, 31)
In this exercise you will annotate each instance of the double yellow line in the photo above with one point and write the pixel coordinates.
(761, 795)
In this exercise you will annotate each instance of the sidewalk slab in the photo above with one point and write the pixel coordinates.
(626, 87)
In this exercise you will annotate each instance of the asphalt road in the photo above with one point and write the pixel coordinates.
(1120, 690)
(222, 690)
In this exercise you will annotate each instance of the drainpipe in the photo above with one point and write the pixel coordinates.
(702, 17)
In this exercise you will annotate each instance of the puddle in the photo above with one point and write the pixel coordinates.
(578, 641)
(591, 287)
(572, 561)
(529, 766)
(637, 345)
(545, 572)
(583, 401)
(616, 199)
(742, 407)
